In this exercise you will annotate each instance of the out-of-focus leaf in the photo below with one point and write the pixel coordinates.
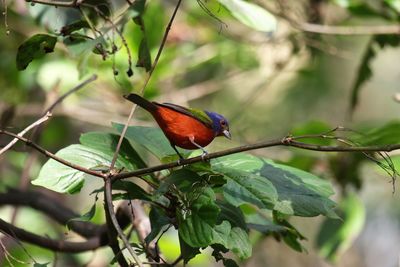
(75, 26)
(85, 217)
(251, 15)
(365, 71)
(274, 186)
(197, 220)
(144, 57)
(336, 236)
(33, 48)
(313, 127)
(394, 4)
(158, 220)
(78, 44)
(385, 135)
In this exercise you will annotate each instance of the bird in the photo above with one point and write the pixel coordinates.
(187, 128)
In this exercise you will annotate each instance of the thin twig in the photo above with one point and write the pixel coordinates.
(167, 29)
(23, 132)
(111, 213)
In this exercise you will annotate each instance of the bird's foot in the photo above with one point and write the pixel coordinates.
(204, 155)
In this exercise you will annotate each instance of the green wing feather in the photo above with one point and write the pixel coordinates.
(197, 114)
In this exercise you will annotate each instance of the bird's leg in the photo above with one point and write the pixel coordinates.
(179, 154)
(205, 153)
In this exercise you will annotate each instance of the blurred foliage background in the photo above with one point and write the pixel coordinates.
(269, 77)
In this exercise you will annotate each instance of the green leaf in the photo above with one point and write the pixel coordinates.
(153, 139)
(144, 57)
(85, 217)
(364, 73)
(187, 252)
(384, 135)
(251, 15)
(264, 183)
(394, 4)
(33, 48)
(75, 26)
(182, 179)
(233, 238)
(336, 236)
(63, 179)
(36, 264)
(197, 220)
(231, 214)
(244, 187)
(313, 127)
(133, 190)
(79, 45)
(158, 219)
(107, 143)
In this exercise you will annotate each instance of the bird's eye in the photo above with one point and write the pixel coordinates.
(223, 123)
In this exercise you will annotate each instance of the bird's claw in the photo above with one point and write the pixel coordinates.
(204, 155)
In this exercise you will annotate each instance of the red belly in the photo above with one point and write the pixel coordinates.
(179, 128)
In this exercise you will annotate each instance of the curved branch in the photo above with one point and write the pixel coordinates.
(97, 235)
(287, 141)
(54, 245)
(113, 218)
(52, 208)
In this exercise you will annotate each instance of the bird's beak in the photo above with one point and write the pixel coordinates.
(227, 134)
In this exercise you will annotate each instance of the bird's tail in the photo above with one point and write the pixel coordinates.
(140, 101)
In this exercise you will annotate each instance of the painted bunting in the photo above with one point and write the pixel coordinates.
(185, 127)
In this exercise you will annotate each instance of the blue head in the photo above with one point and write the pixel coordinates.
(220, 124)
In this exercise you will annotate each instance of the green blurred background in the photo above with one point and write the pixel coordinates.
(266, 84)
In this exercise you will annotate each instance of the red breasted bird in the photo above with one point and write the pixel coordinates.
(185, 127)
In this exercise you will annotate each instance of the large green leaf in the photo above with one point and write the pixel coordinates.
(153, 139)
(197, 220)
(63, 179)
(35, 47)
(233, 238)
(251, 15)
(336, 236)
(107, 143)
(269, 185)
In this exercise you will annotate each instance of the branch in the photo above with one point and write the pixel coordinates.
(44, 242)
(113, 218)
(23, 132)
(52, 156)
(52, 208)
(167, 29)
(349, 30)
(97, 234)
(287, 141)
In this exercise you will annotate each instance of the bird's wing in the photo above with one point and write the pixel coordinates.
(197, 114)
